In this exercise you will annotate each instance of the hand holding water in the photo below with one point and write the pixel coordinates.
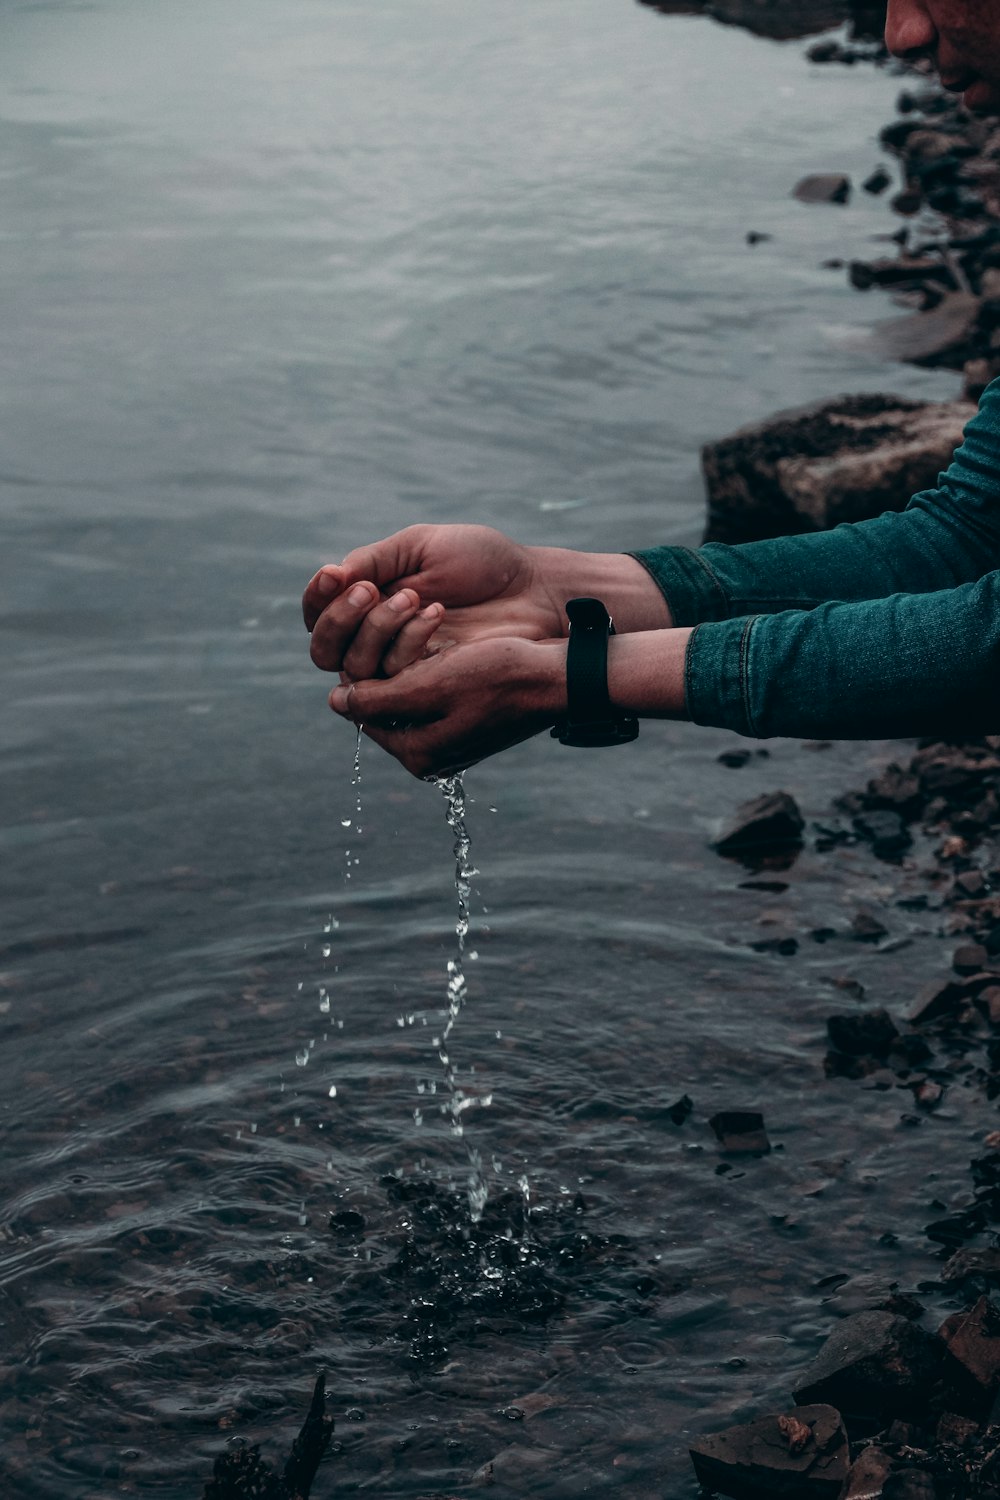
(385, 605)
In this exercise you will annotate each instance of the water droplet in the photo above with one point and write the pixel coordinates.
(333, 1091)
(326, 950)
(345, 822)
(302, 1057)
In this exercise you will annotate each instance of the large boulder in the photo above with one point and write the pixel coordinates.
(813, 467)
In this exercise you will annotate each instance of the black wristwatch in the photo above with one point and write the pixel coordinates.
(592, 718)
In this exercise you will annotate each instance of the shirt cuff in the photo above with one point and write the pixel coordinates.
(717, 675)
(692, 590)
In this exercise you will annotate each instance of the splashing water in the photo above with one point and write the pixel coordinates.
(459, 1101)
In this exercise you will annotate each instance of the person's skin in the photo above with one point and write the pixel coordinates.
(450, 640)
(960, 37)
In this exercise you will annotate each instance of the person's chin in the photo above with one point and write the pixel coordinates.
(983, 97)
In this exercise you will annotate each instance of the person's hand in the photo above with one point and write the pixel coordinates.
(455, 708)
(426, 587)
(365, 613)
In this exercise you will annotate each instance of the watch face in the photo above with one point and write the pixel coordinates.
(588, 614)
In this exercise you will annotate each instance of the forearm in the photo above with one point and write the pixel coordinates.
(899, 667)
(946, 537)
(631, 595)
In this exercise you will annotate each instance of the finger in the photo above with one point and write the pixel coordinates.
(389, 564)
(411, 642)
(377, 631)
(339, 623)
(321, 589)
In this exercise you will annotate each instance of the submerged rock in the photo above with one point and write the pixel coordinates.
(797, 1455)
(813, 467)
(741, 1131)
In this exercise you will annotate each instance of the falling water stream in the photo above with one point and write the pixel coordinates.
(459, 1100)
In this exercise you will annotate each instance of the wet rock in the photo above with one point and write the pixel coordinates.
(972, 1339)
(971, 958)
(904, 271)
(909, 1483)
(823, 187)
(872, 1033)
(873, 1365)
(868, 1475)
(868, 929)
(771, 819)
(877, 183)
(935, 1000)
(945, 335)
(989, 999)
(801, 1454)
(927, 1094)
(885, 831)
(741, 1131)
(972, 1265)
(841, 460)
(957, 1430)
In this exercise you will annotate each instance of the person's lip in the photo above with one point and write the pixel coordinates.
(957, 83)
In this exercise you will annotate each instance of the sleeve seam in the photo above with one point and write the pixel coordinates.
(744, 668)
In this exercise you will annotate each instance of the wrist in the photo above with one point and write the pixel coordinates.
(621, 583)
(646, 672)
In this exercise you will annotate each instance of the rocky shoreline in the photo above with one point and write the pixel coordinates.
(892, 1409)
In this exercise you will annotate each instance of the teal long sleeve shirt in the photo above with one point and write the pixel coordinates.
(876, 629)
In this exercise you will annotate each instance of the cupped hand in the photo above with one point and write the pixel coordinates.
(450, 710)
(474, 583)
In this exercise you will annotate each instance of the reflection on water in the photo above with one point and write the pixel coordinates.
(283, 277)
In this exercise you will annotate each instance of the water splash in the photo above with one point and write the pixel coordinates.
(453, 790)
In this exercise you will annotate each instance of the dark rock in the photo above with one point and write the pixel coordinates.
(990, 1000)
(771, 819)
(754, 237)
(972, 1339)
(877, 183)
(823, 187)
(909, 202)
(873, 1365)
(971, 958)
(935, 1000)
(868, 1474)
(799, 1455)
(972, 1265)
(956, 1228)
(928, 1094)
(971, 883)
(841, 460)
(977, 375)
(957, 1430)
(885, 830)
(868, 929)
(905, 271)
(943, 336)
(741, 1131)
(909, 1483)
(872, 1033)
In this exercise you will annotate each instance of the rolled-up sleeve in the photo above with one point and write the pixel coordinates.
(911, 664)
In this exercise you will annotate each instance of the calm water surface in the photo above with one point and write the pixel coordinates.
(281, 277)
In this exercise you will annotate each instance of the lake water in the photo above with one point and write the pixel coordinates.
(279, 278)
